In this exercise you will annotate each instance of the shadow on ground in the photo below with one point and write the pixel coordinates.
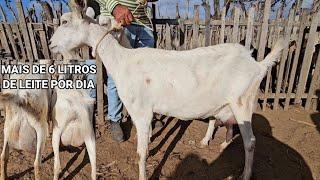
(273, 160)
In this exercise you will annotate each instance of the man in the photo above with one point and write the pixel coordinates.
(137, 26)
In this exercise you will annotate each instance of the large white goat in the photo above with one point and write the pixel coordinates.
(220, 81)
(26, 121)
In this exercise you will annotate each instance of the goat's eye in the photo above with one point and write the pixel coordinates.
(64, 22)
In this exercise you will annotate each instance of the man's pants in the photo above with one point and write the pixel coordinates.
(139, 36)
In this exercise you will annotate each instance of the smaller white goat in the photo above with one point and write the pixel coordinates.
(220, 81)
(26, 121)
(72, 116)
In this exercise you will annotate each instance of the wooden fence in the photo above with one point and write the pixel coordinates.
(294, 81)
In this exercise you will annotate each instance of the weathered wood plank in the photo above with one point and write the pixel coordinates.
(249, 28)
(15, 28)
(207, 25)
(33, 41)
(235, 30)
(100, 100)
(308, 56)
(313, 86)
(24, 29)
(196, 19)
(303, 21)
(85, 53)
(264, 32)
(262, 44)
(12, 42)
(283, 59)
(4, 40)
(44, 43)
(168, 37)
(223, 25)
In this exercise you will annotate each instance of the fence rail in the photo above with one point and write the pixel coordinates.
(294, 81)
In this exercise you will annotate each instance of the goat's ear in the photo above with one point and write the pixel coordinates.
(90, 12)
(79, 7)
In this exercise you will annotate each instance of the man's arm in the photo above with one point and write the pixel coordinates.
(121, 13)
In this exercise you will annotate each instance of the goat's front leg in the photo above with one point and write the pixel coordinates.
(56, 135)
(142, 121)
(4, 156)
(91, 149)
(204, 142)
(41, 140)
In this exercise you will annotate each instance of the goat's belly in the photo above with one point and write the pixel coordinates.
(22, 136)
(72, 135)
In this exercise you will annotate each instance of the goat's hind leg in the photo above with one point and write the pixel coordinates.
(41, 131)
(243, 115)
(229, 137)
(204, 142)
(4, 156)
(91, 149)
(56, 135)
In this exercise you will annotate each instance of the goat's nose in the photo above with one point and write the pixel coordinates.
(49, 43)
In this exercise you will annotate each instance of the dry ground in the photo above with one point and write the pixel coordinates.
(287, 148)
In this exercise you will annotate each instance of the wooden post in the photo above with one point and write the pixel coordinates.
(12, 42)
(100, 94)
(44, 43)
(313, 86)
(154, 26)
(262, 45)
(223, 25)
(264, 33)
(85, 53)
(15, 28)
(235, 30)
(24, 29)
(196, 21)
(307, 57)
(302, 26)
(3, 39)
(168, 37)
(249, 28)
(33, 41)
(283, 59)
(207, 24)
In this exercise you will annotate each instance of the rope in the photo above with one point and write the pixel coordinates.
(108, 32)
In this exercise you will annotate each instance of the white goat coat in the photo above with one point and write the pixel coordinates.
(25, 111)
(182, 84)
(72, 113)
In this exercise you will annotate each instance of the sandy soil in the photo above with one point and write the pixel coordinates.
(287, 148)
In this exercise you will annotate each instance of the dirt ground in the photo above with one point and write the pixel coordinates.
(288, 147)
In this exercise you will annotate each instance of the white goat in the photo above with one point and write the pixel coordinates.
(220, 81)
(72, 115)
(26, 121)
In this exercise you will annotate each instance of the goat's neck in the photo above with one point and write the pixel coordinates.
(109, 49)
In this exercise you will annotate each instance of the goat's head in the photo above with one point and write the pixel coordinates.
(75, 29)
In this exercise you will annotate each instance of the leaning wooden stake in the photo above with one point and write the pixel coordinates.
(24, 29)
(100, 101)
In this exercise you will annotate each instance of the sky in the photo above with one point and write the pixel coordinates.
(167, 7)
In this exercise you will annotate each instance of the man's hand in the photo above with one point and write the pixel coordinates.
(122, 15)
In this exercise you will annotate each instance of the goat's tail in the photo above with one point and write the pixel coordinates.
(273, 56)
